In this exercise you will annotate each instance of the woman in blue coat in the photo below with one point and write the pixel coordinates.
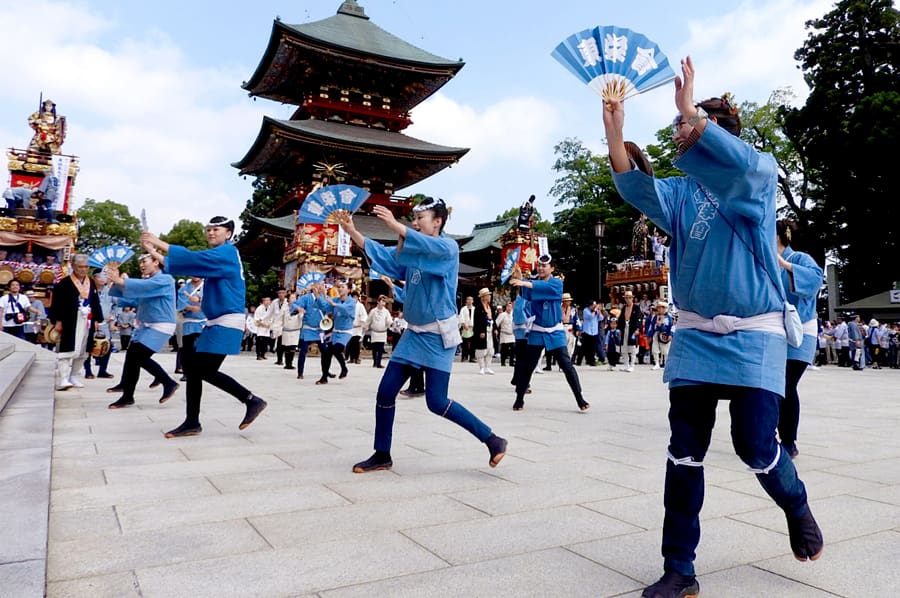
(154, 296)
(223, 304)
(428, 261)
(801, 277)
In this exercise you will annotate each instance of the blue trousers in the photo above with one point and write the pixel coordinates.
(436, 385)
(301, 356)
(692, 415)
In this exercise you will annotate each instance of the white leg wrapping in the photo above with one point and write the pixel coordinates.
(771, 465)
(689, 461)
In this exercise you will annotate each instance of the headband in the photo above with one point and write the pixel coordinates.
(429, 203)
(224, 223)
(545, 259)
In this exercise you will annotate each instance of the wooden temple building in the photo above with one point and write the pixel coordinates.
(354, 86)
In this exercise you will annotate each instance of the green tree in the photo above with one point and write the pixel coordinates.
(187, 233)
(261, 274)
(586, 193)
(102, 223)
(844, 135)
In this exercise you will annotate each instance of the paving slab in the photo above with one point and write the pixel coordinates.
(575, 509)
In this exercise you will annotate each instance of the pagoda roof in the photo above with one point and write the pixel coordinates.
(348, 50)
(486, 234)
(290, 148)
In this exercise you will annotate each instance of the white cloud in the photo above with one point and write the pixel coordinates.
(750, 50)
(151, 129)
(512, 130)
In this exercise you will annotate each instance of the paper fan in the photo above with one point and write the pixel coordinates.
(110, 254)
(319, 204)
(512, 260)
(615, 62)
(308, 279)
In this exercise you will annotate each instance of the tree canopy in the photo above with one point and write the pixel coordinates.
(102, 223)
(845, 133)
(187, 233)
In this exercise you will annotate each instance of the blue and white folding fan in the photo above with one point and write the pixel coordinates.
(110, 254)
(512, 259)
(319, 204)
(615, 62)
(305, 280)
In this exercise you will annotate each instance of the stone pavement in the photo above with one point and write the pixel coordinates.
(574, 509)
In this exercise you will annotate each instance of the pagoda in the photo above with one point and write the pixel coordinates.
(354, 85)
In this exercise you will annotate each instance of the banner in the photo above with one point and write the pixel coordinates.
(59, 168)
(343, 242)
(543, 246)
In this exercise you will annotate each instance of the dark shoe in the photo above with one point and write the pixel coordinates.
(322, 381)
(105, 375)
(806, 537)
(344, 374)
(791, 449)
(121, 403)
(179, 371)
(497, 447)
(156, 382)
(411, 394)
(185, 429)
(583, 405)
(289, 367)
(89, 377)
(518, 405)
(299, 376)
(548, 369)
(673, 585)
(279, 363)
(116, 388)
(255, 406)
(330, 375)
(168, 392)
(183, 379)
(377, 462)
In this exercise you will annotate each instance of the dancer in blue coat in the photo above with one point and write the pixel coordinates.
(223, 303)
(547, 331)
(802, 280)
(730, 342)
(343, 310)
(428, 261)
(154, 296)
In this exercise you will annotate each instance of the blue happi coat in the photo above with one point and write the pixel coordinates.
(802, 286)
(312, 315)
(154, 298)
(713, 270)
(193, 320)
(343, 313)
(521, 313)
(430, 267)
(223, 293)
(546, 306)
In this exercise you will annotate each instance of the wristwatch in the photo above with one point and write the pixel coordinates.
(701, 114)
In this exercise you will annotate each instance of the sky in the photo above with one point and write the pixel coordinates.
(152, 90)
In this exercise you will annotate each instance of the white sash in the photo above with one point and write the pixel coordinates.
(235, 321)
(771, 322)
(164, 327)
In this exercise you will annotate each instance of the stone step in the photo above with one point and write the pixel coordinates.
(13, 367)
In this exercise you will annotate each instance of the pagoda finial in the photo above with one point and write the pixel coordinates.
(351, 8)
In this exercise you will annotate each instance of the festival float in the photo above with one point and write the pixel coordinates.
(37, 229)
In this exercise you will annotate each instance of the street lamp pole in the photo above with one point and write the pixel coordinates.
(599, 229)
